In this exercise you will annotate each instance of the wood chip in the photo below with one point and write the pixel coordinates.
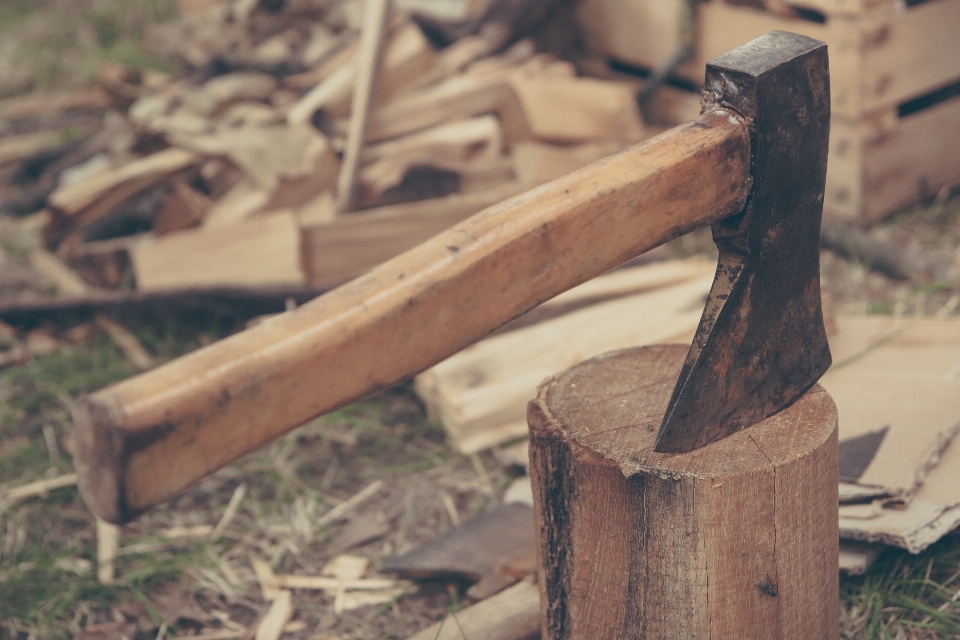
(135, 176)
(322, 583)
(279, 614)
(198, 531)
(219, 634)
(342, 508)
(356, 599)
(108, 543)
(41, 487)
(230, 511)
(346, 567)
(512, 614)
(33, 489)
(132, 348)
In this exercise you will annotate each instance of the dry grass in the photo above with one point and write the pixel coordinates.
(48, 583)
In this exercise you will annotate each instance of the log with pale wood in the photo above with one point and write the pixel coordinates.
(753, 166)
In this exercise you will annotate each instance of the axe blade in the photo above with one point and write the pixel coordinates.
(761, 343)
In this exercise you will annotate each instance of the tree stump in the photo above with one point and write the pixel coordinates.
(737, 539)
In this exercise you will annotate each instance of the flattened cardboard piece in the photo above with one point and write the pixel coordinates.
(480, 394)
(479, 547)
(857, 453)
(901, 372)
(933, 512)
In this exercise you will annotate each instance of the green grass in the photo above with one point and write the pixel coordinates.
(905, 596)
(14, 12)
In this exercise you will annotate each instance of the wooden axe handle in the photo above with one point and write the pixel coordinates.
(141, 441)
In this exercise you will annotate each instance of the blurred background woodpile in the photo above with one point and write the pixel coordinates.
(222, 172)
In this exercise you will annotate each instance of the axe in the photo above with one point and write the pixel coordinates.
(752, 165)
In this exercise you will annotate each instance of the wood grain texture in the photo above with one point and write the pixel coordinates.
(738, 539)
(371, 38)
(141, 441)
(509, 615)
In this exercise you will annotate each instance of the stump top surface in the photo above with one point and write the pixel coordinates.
(613, 404)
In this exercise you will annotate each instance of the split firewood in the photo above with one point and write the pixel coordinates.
(340, 53)
(104, 263)
(294, 164)
(334, 89)
(512, 614)
(83, 202)
(540, 99)
(222, 256)
(216, 94)
(538, 162)
(479, 90)
(407, 57)
(184, 207)
(500, 21)
(78, 198)
(272, 156)
(468, 147)
(511, 364)
(238, 204)
(368, 58)
(571, 109)
(337, 252)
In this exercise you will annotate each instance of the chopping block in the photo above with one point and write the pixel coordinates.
(737, 539)
(661, 511)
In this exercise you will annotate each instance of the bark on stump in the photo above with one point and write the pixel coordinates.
(738, 539)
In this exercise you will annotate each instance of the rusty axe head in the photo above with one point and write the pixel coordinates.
(761, 342)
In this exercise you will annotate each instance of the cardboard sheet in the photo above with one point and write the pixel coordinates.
(903, 374)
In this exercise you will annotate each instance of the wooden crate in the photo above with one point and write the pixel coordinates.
(896, 123)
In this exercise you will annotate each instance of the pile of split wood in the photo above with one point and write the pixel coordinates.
(226, 176)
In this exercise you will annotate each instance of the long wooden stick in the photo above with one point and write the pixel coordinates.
(141, 441)
(371, 39)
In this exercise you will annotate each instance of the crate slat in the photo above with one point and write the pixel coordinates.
(882, 55)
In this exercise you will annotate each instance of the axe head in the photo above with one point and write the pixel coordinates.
(761, 342)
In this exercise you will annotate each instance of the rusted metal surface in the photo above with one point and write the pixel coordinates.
(761, 342)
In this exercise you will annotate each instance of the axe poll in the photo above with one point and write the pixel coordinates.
(753, 165)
